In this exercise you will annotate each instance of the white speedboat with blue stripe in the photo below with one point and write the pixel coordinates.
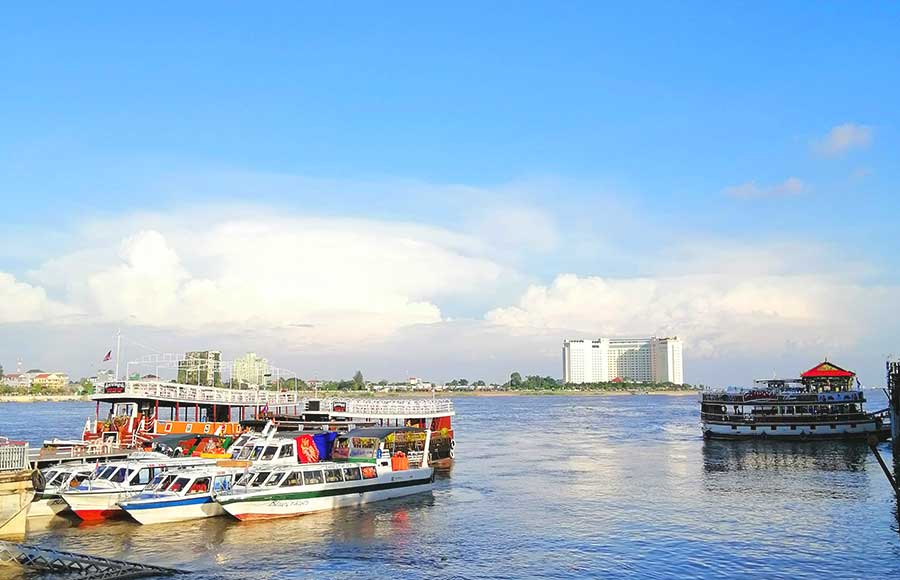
(181, 496)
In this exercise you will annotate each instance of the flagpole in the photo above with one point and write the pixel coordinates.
(118, 344)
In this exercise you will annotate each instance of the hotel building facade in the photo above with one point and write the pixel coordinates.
(601, 360)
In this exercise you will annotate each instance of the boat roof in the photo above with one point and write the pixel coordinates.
(381, 432)
(827, 369)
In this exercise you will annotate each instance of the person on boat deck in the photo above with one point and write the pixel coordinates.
(198, 487)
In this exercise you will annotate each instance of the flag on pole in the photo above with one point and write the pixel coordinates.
(108, 356)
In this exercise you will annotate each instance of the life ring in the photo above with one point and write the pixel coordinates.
(38, 481)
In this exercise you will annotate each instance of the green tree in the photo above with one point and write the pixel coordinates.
(87, 387)
(515, 380)
(358, 382)
(1, 371)
(478, 383)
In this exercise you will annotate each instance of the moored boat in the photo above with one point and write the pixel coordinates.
(48, 501)
(826, 402)
(97, 498)
(181, 496)
(368, 465)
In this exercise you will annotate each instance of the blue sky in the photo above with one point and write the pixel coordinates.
(599, 140)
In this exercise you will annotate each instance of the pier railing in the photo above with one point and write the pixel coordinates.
(14, 457)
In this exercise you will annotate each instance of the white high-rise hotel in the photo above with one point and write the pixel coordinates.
(656, 360)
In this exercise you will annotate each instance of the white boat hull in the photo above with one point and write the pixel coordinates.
(96, 505)
(47, 507)
(799, 432)
(173, 510)
(275, 505)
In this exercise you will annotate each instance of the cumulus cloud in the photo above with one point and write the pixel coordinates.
(326, 279)
(22, 302)
(717, 313)
(748, 190)
(842, 139)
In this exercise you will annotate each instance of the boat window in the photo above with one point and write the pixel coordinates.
(793, 427)
(333, 476)
(286, 451)
(256, 452)
(179, 484)
(104, 473)
(121, 475)
(78, 478)
(351, 473)
(200, 485)
(50, 476)
(368, 472)
(245, 479)
(313, 477)
(260, 478)
(222, 483)
(270, 452)
(275, 479)
(164, 481)
(143, 476)
(245, 453)
(55, 478)
(292, 479)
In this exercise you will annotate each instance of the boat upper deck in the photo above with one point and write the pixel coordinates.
(143, 390)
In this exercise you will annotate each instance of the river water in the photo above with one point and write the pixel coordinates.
(550, 487)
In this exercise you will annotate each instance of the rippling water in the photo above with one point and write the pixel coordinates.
(552, 487)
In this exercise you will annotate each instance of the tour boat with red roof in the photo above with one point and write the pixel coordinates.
(826, 402)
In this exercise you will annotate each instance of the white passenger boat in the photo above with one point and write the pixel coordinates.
(182, 495)
(48, 502)
(97, 498)
(369, 464)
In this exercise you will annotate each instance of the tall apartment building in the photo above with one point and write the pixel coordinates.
(250, 370)
(200, 368)
(651, 359)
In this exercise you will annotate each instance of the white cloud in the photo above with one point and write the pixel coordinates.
(22, 302)
(317, 279)
(718, 314)
(790, 186)
(842, 139)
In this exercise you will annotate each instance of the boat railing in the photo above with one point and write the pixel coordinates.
(13, 456)
(157, 390)
(398, 407)
(773, 418)
(198, 394)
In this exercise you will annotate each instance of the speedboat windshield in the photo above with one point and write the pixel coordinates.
(104, 472)
(121, 475)
(256, 452)
(270, 452)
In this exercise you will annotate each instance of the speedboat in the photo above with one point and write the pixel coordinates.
(181, 495)
(368, 465)
(48, 502)
(97, 498)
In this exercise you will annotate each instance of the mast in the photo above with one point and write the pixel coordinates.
(118, 346)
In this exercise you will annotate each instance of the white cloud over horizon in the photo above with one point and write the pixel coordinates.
(842, 139)
(335, 291)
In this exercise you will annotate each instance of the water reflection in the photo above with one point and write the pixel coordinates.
(828, 456)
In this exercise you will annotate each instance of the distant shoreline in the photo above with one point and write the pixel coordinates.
(42, 398)
(395, 395)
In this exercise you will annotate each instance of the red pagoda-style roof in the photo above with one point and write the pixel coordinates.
(827, 369)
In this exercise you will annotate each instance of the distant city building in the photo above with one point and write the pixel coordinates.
(202, 367)
(103, 376)
(250, 370)
(657, 360)
(17, 380)
(50, 381)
